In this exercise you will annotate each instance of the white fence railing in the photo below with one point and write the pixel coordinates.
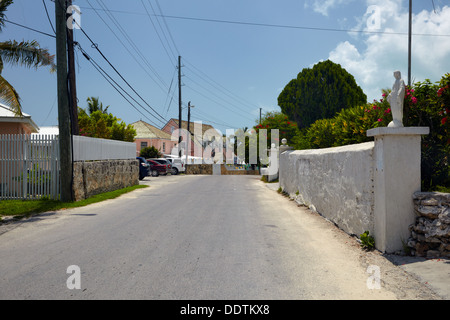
(29, 166)
(86, 148)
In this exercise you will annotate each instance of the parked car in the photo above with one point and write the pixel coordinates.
(177, 164)
(144, 168)
(158, 168)
(172, 169)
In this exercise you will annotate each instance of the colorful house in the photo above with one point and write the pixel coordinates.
(150, 136)
(200, 139)
(10, 123)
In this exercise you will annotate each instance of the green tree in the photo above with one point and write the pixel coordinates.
(25, 53)
(100, 124)
(320, 93)
(150, 152)
(277, 120)
(95, 105)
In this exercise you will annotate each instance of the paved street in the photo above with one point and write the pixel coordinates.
(193, 237)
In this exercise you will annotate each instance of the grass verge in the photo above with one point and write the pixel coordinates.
(25, 208)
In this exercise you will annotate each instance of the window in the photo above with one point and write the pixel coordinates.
(164, 147)
(143, 145)
(172, 128)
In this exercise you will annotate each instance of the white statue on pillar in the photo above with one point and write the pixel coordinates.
(395, 99)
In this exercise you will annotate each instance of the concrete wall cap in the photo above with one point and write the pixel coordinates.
(402, 131)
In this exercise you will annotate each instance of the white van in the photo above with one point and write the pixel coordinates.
(177, 164)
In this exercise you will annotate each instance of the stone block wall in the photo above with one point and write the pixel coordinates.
(225, 171)
(199, 169)
(95, 177)
(430, 235)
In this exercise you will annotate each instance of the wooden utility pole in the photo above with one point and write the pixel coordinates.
(179, 106)
(72, 81)
(65, 143)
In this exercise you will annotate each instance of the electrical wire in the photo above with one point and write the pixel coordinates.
(110, 80)
(161, 83)
(156, 30)
(95, 46)
(48, 16)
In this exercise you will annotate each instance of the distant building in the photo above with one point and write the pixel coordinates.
(198, 140)
(150, 136)
(10, 123)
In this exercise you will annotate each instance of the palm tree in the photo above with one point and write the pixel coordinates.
(95, 105)
(25, 53)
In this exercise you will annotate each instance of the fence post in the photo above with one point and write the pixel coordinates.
(397, 163)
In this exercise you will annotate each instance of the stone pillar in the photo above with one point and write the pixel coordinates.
(397, 157)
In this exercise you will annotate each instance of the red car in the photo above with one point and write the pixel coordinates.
(157, 168)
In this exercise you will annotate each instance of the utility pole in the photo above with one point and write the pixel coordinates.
(260, 112)
(189, 132)
(72, 81)
(65, 144)
(179, 106)
(409, 43)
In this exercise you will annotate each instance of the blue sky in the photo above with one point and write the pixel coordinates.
(230, 70)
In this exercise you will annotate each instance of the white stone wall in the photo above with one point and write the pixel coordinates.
(337, 182)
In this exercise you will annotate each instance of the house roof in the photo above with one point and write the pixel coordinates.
(7, 115)
(49, 130)
(145, 130)
(184, 125)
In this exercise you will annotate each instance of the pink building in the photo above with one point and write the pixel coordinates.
(148, 136)
(12, 124)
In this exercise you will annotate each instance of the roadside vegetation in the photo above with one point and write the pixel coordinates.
(26, 208)
(426, 104)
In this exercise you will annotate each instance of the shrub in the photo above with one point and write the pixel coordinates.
(150, 152)
(367, 241)
(426, 104)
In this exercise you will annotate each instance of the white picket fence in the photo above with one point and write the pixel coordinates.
(29, 166)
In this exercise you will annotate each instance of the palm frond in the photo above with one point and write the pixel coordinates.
(10, 96)
(26, 53)
(3, 7)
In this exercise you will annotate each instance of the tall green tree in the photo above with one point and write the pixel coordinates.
(319, 93)
(101, 124)
(25, 53)
(95, 105)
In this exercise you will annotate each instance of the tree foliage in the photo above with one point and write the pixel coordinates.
(426, 105)
(25, 53)
(100, 124)
(150, 152)
(319, 93)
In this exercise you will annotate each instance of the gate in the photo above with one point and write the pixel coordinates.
(29, 167)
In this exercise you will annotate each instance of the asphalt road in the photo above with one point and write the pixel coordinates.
(193, 237)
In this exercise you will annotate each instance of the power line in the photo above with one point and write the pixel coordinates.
(48, 16)
(35, 30)
(95, 46)
(268, 25)
(111, 81)
(156, 30)
(167, 27)
(213, 83)
(132, 44)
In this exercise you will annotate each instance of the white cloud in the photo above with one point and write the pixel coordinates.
(324, 6)
(381, 53)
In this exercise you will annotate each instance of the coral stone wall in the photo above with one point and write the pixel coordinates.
(94, 177)
(430, 235)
